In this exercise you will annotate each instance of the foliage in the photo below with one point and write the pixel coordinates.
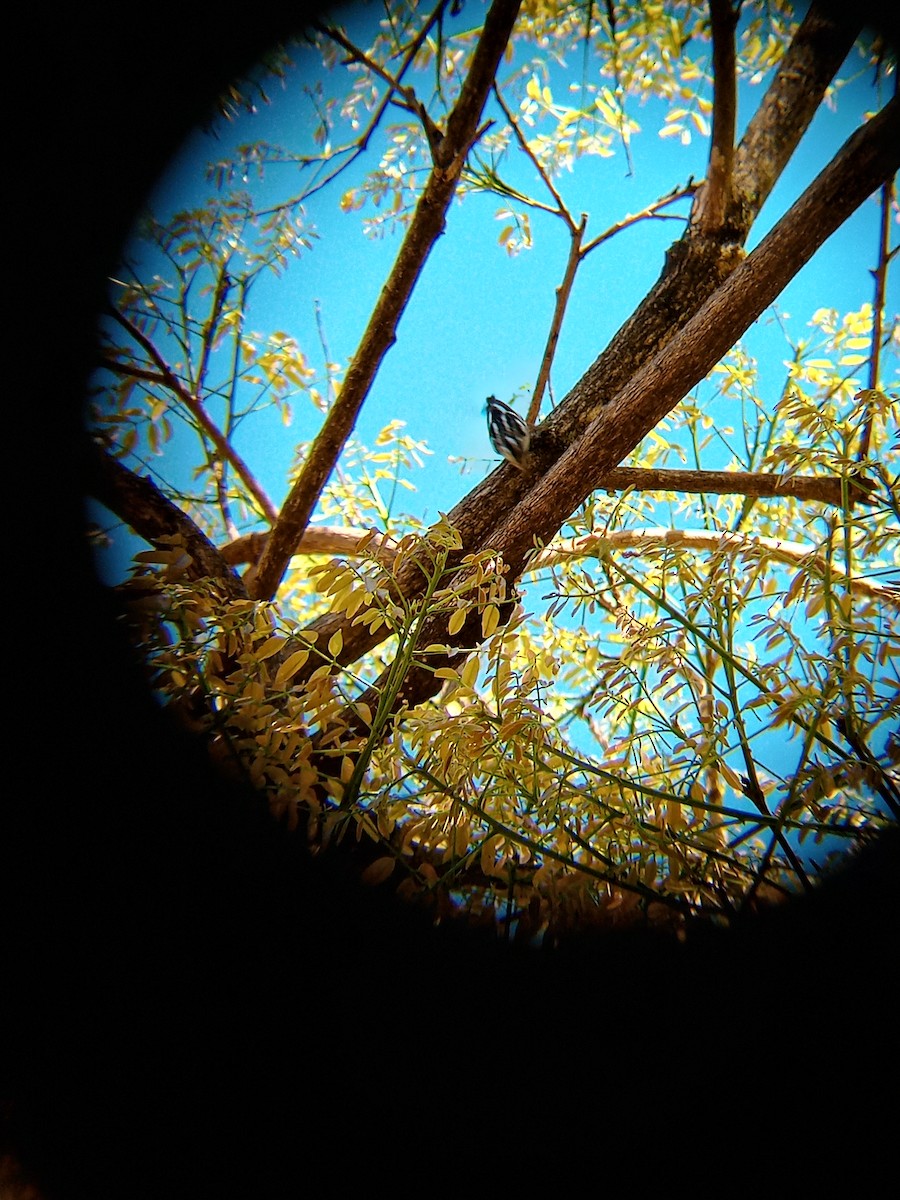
(687, 702)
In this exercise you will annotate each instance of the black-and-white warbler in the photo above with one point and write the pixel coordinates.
(509, 434)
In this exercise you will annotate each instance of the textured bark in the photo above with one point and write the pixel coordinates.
(140, 503)
(868, 158)
(694, 269)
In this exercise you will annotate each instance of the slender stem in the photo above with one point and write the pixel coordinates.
(880, 273)
(195, 407)
(563, 293)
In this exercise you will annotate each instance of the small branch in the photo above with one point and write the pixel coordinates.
(825, 489)
(410, 101)
(712, 199)
(561, 208)
(359, 145)
(793, 553)
(652, 210)
(194, 406)
(562, 299)
(223, 286)
(316, 539)
(880, 273)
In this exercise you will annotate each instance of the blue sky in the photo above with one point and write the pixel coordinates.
(478, 320)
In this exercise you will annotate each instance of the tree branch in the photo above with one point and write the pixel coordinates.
(821, 43)
(410, 100)
(194, 406)
(712, 199)
(867, 159)
(427, 225)
(793, 553)
(652, 210)
(316, 539)
(884, 255)
(351, 543)
(535, 162)
(562, 299)
(673, 300)
(140, 504)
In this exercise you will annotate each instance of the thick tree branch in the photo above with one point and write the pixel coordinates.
(821, 43)
(677, 296)
(427, 225)
(139, 503)
(867, 159)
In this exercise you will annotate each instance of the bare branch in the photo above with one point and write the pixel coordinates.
(712, 199)
(380, 334)
(881, 271)
(316, 539)
(195, 407)
(824, 489)
(652, 210)
(821, 43)
(794, 553)
(561, 208)
(140, 504)
(562, 299)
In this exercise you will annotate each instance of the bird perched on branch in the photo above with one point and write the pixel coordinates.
(509, 434)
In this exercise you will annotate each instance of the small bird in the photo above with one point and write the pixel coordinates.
(509, 434)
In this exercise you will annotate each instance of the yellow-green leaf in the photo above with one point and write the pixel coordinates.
(470, 672)
(290, 667)
(490, 619)
(457, 621)
(269, 647)
(378, 871)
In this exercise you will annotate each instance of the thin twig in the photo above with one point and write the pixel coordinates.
(563, 292)
(652, 210)
(561, 208)
(880, 273)
(193, 404)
